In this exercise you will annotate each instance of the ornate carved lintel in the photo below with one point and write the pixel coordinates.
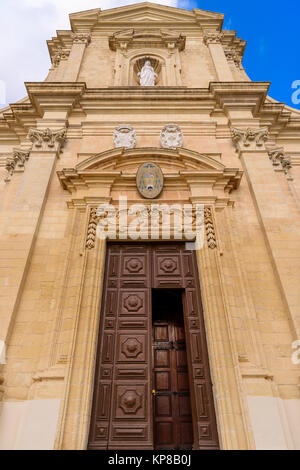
(17, 160)
(46, 138)
(249, 138)
(209, 228)
(279, 159)
(82, 38)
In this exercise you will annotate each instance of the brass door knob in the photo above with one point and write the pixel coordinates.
(154, 392)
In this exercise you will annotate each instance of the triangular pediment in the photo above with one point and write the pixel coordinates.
(142, 13)
(146, 12)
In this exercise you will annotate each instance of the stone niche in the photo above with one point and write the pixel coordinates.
(133, 48)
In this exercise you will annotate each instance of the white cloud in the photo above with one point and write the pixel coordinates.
(25, 26)
(64, 7)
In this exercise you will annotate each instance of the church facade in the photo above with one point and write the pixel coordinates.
(150, 243)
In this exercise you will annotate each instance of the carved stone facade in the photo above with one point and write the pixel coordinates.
(232, 150)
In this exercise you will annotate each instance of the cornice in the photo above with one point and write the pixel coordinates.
(240, 95)
(51, 95)
(18, 118)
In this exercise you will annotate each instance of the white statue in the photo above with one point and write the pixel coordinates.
(147, 75)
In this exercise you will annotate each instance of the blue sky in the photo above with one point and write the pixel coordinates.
(271, 29)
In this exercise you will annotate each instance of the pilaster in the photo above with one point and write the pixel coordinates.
(213, 40)
(80, 43)
(21, 224)
(274, 213)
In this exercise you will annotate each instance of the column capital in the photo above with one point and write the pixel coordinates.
(280, 160)
(60, 54)
(232, 55)
(81, 38)
(250, 139)
(213, 38)
(17, 160)
(47, 139)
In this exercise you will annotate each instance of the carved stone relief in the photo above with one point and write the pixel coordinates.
(125, 136)
(82, 38)
(60, 54)
(171, 137)
(233, 56)
(17, 160)
(209, 228)
(213, 38)
(249, 137)
(281, 161)
(47, 138)
(92, 228)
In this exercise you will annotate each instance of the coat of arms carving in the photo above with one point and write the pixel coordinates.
(149, 180)
(125, 136)
(171, 137)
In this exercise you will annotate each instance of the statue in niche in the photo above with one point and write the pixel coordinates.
(147, 74)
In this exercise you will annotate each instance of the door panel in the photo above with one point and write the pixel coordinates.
(122, 413)
(173, 428)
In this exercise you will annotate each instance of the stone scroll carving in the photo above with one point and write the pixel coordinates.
(46, 138)
(125, 136)
(17, 160)
(171, 137)
(249, 137)
(281, 161)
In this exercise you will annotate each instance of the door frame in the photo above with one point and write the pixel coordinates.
(185, 278)
(233, 422)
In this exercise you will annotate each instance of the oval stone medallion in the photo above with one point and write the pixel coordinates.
(149, 180)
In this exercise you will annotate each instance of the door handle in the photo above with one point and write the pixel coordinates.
(153, 393)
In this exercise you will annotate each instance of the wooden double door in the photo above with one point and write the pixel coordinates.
(152, 386)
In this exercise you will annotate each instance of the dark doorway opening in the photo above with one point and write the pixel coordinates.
(172, 415)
